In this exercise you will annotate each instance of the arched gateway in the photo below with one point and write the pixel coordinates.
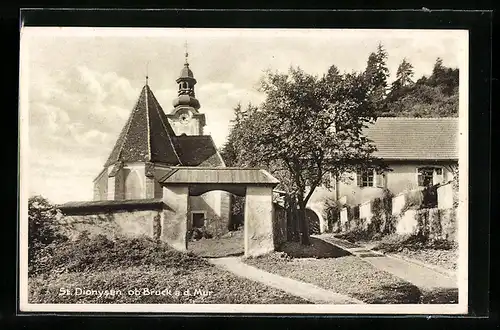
(257, 185)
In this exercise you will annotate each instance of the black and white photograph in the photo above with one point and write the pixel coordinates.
(243, 170)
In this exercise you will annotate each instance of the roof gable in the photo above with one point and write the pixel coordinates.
(415, 138)
(147, 135)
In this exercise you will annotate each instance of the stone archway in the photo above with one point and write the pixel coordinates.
(257, 187)
(314, 222)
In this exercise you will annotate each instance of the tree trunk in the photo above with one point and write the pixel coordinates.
(304, 225)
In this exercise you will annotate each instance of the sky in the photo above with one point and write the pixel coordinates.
(79, 85)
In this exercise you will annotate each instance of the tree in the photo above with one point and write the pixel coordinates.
(308, 127)
(430, 96)
(42, 226)
(376, 75)
(404, 77)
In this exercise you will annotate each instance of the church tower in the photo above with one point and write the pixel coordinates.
(185, 117)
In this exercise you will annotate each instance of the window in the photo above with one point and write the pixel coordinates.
(365, 178)
(198, 219)
(428, 176)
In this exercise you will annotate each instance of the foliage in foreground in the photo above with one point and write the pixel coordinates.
(149, 285)
(99, 253)
(43, 229)
(398, 243)
(138, 270)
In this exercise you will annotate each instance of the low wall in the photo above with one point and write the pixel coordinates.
(398, 202)
(113, 218)
(445, 196)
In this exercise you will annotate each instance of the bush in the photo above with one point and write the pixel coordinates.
(100, 253)
(43, 230)
(199, 233)
(398, 243)
(332, 209)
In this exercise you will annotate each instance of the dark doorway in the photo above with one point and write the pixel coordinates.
(313, 219)
(198, 219)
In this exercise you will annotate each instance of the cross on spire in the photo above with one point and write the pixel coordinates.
(147, 64)
(186, 51)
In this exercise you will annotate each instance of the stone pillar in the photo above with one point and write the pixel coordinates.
(259, 213)
(175, 220)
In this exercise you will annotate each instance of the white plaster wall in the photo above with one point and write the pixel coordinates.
(113, 224)
(365, 211)
(193, 127)
(398, 202)
(259, 214)
(343, 216)
(445, 196)
(175, 220)
(408, 223)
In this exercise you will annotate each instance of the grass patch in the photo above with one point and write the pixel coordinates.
(346, 275)
(230, 244)
(115, 269)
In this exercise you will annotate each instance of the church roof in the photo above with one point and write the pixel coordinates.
(147, 135)
(198, 150)
(401, 138)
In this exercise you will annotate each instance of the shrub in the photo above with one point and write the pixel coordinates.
(378, 216)
(332, 208)
(100, 253)
(44, 233)
(414, 242)
(199, 233)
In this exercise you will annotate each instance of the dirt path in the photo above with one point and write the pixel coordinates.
(419, 275)
(304, 290)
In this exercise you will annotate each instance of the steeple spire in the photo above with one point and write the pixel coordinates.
(186, 54)
(186, 82)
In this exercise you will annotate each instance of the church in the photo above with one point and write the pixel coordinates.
(153, 143)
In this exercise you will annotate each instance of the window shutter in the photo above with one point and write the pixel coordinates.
(375, 179)
(420, 179)
(359, 177)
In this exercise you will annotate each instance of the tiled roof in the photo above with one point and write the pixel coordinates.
(198, 150)
(147, 135)
(214, 175)
(415, 138)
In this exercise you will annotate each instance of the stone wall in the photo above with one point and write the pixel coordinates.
(122, 220)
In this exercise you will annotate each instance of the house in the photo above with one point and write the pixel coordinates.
(418, 152)
(152, 142)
